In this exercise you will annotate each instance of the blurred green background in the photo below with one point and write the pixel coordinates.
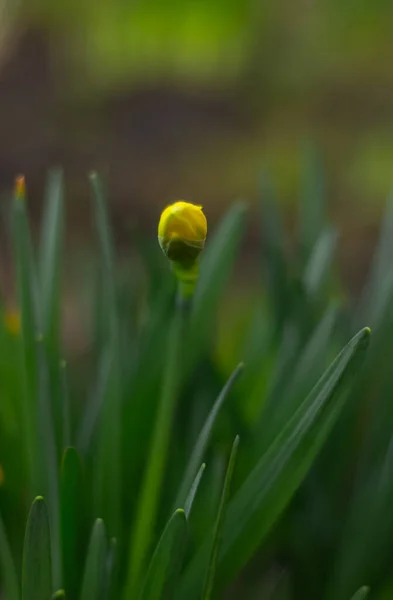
(191, 99)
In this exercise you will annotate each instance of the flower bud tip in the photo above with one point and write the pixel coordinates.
(20, 187)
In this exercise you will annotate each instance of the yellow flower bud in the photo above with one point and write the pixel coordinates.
(182, 232)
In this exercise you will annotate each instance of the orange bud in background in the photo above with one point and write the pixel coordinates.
(20, 187)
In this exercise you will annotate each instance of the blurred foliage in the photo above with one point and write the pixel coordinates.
(143, 496)
(115, 41)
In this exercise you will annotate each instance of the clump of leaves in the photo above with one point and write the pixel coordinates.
(173, 474)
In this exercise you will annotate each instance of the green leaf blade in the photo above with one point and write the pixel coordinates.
(25, 280)
(278, 282)
(361, 594)
(204, 437)
(312, 201)
(320, 261)
(165, 556)
(109, 587)
(110, 445)
(209, 583)
(93, 578)
(37, 567)
(65, 404)
(50, 258)
(193, 491)
(216, 264)
(8, 570)
(70, 478)
(49, 471)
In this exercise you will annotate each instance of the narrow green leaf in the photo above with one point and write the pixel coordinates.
(259, 356)
(156, 461)
(93, 578)
(217, 262)
(204, 511)
(59, 595)
(204, 438)
(320, 261)
(37, 568)
(65, 402)
(269, 487)
(274, 255)
(99, 320)
(25, 291)
(94, 405)
(8, 571)
(48, 458)
(27, 280)
(109, 588)
(69, 493)
(165, 556)
(108, 257)
(361, 594)
(194, 488)
(381, 265)
(103, 228)
(378, 292)
(364, 552)
(110, 457)
(50, 258)
(284, 401)
(312, 202)
(313, 357)
(209, 583)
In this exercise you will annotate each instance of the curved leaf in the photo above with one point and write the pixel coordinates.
(95, 563)
(204, 437)
(165, 556)
(37, 567)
